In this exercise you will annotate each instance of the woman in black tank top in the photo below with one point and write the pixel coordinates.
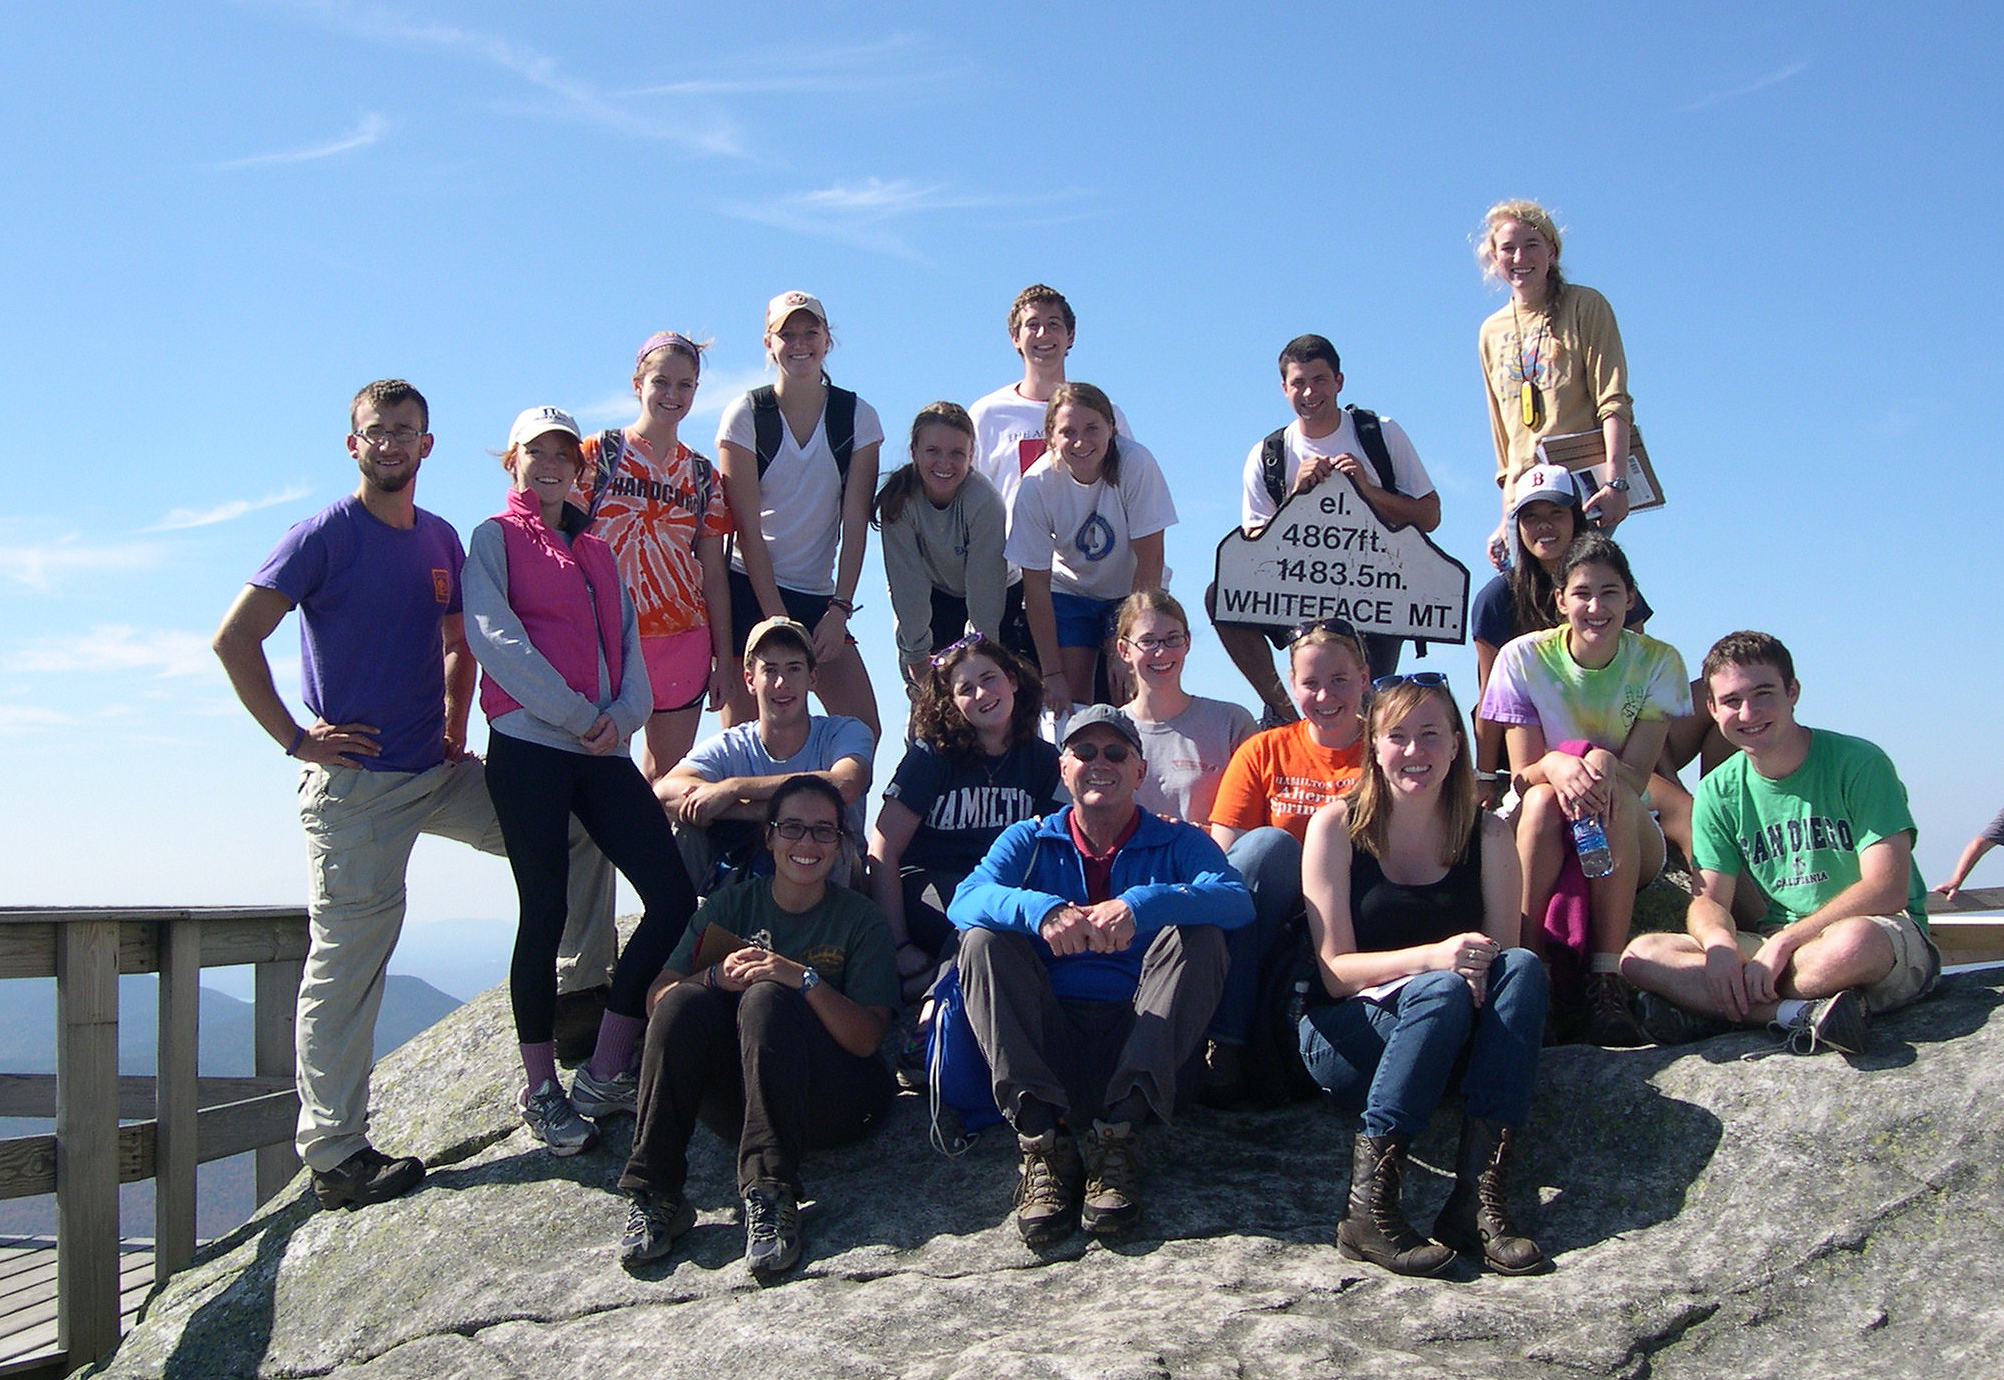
(1412, 896)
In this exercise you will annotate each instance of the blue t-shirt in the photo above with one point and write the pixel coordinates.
(371, 599)
(964, 803)
(741, 752)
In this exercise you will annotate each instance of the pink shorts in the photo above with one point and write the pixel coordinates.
(678, 668)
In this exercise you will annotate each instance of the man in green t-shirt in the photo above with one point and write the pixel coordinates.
(1820, 821)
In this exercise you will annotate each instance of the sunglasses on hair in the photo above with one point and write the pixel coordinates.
(1425, 680)
(945, 654)
(1339, 626)
(795, 830)
(1086, 752)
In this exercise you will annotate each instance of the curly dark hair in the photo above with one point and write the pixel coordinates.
(938, 720)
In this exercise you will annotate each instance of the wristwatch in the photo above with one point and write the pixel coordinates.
(809, 980)
(1620, 486)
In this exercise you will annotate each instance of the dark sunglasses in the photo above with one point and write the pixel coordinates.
(1086, 752)
(1425, 680)
(1340, 626)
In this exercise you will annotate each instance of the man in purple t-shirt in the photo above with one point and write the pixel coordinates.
(388, 678)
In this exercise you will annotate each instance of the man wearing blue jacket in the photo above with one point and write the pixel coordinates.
(1093, 955)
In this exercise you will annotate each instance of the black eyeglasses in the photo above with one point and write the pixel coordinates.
(1086, 752)
(944, 654)
(402, 435)
(1174, 642)
(1339, 626)
(794, 829)
(1425, 680)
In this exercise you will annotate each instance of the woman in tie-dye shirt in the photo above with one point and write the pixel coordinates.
(1585, 708)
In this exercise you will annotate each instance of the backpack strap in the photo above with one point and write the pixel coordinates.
(767, 425)
(1273, 466)
(611, 449)
(1371, 435)
(840, 418)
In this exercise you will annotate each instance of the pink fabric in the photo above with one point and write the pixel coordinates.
(567, 596)
(1568, 929)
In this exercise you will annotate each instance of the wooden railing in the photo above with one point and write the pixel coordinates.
(1977, 940)
(177, 1118)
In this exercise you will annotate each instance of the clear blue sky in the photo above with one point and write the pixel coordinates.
(228, 216)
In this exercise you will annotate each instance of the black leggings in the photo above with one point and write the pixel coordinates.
(536, 790)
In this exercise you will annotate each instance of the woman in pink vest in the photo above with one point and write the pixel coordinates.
(565, 687)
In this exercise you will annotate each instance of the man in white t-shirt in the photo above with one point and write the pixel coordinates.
(1324, 438)
(1009, 423)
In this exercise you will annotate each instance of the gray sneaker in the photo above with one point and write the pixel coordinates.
(772, 1231)
(597, 1097)
(653, 1222)
(1666, 1023)
(1836, 1022)
(553, 1121)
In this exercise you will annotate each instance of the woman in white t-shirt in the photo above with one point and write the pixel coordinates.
(1585, 707)
(1186, 739)
(1086, 528)
(801, 558)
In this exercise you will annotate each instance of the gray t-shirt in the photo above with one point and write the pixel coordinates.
(741, 752)
(1187, 755)
(1994, 830)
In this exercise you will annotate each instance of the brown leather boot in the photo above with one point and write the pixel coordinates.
(1475, 1220)
(1376, 1228)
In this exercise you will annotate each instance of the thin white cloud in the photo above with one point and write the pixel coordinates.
(181, 518)
(42, 565)
(863, 214)
(364, 134)
(577, 98)
(848, 69)
(1774, 78)
(29, 718)
(116, 648)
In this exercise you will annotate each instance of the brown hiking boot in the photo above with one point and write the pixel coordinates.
(1047, 1187)
(1611, 1022)
(1475, 1220)
(365, 1178)
(1113, 1169)
(1375, 1228)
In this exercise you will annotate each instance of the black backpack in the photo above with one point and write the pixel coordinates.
(1370, 434)
(768, 427)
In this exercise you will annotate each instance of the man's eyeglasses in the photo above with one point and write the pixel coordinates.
(402, 435)
(1086, 752)
(795, 830)
(1425, 680)
(1174, 642)
(1341, 627)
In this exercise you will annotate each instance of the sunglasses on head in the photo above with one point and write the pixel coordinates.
(1425, 680)
(945, 654)
(1339, 626)
(1086, 752)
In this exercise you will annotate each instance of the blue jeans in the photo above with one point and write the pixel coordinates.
(1269, 860)
(1397, 1058)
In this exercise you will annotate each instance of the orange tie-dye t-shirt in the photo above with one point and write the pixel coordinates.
(651, 515)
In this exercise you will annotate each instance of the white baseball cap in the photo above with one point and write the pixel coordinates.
(538, 420)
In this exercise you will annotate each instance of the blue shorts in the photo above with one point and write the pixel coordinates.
(1083, 622)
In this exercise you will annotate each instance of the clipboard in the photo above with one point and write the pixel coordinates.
(713, 945)
(1580, 450)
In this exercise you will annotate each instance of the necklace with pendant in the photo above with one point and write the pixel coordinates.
(1529, 367)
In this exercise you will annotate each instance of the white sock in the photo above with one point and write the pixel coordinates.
(1604, 963)
(1791, 1012)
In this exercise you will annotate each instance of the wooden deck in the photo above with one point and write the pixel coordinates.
(28, 1301)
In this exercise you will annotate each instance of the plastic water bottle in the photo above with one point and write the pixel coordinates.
(1297, 1004)
(1591, 842)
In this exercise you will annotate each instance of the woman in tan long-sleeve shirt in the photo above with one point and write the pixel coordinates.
(1552, 361)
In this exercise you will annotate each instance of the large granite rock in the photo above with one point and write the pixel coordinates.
(1712, 1211)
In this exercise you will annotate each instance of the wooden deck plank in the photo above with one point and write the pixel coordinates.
(28, 1303)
